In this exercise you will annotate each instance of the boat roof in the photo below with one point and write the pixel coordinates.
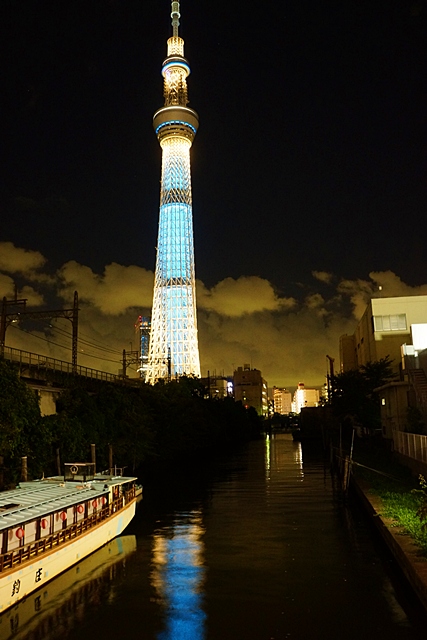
(38, 498)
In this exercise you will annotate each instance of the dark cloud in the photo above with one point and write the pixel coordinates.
(240, 320)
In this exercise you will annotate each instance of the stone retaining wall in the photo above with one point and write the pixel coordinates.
(416, 466)
(404, 550)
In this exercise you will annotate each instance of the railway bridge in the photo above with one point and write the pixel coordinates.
(49, 376)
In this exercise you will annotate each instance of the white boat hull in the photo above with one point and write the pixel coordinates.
(23, 579)
(68, 593)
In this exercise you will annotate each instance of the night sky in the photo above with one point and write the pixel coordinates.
(309, 167)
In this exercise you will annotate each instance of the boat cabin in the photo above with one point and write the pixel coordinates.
(37, 510)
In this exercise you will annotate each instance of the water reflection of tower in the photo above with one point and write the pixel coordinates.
(178, 575)
(174, 349)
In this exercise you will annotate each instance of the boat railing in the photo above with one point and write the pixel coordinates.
(23, 554)
(113, 472)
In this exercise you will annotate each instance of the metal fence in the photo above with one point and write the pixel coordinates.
(412, 445)
(36, 364)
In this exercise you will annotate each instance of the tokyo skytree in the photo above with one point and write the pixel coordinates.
(174, 349)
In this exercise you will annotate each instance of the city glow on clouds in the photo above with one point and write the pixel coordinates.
(7, 289)
(322, 276)
(235, 298)
(360, 290)
(240, 321)
(118, 289)
(16, 260)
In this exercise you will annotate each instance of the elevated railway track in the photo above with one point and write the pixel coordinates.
(40, 368)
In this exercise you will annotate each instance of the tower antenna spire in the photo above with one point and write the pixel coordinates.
(175, 15)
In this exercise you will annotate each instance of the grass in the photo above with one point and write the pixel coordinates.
(403, 509)
(403, 497)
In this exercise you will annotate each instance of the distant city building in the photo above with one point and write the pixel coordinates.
(218, 386)
(282, 401)
(143, 326)
(404, 399)
(384, 327)
(397, 328)
(348, 357)
(251, 389)
(305, 397)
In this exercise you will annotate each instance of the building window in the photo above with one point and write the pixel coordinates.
(390, 323)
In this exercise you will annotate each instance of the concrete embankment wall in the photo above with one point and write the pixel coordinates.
(405, 552)
(416, 466)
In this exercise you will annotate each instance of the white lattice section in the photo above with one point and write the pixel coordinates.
(175, 46)
(176, 175)
(175, 86)
(173, 319)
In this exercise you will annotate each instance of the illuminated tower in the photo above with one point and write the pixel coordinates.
(173, 340)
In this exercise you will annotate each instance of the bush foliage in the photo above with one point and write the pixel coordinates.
(144, 425)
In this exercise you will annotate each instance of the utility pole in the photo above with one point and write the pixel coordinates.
(5, 321)
(75, 324)
(330, 377)
(15, 316)
(129, 357)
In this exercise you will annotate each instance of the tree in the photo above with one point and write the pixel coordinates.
(20, 420)
(129, 424)
(77, 424)
(355, 393)
(377, 373)
(414, 421)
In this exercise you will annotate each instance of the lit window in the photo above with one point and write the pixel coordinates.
(390, 323)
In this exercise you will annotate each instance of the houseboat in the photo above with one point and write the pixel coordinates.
(48, 525)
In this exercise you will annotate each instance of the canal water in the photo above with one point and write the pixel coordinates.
(261, 546)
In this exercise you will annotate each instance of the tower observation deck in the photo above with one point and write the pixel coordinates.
(174, 347)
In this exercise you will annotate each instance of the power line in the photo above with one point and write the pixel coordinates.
(33, 335)
(62, 346)
(86, 342)
(95, 342)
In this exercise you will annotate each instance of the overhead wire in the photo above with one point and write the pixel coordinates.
(86, 342)
(63, 346)
(93, 340)
(94, 346)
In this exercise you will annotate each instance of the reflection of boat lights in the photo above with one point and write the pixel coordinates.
(286, 460)
(178, 576)
(298, 454)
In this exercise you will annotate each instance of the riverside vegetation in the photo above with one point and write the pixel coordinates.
(146, 426)
(403, 497)
(152, 426)
(356, 403)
